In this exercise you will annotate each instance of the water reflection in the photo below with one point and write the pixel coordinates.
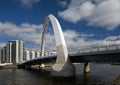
(87, 78)
(101, 74)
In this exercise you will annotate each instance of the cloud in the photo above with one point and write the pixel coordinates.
(76, 41)
(100, 13)
(63, 3)
(79, 41)
(74, 14)
(31, 35)
(28, 3)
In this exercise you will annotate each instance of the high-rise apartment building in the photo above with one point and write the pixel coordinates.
(0, 54)
(3, 55)
(14, 52)
(17, 51)
(8, 52)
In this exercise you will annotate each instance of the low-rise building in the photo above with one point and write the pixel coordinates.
(26, 55)
(37, 54)
(32, 54)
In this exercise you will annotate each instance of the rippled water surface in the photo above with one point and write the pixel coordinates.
(101, 74)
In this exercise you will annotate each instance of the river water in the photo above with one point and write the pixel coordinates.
(101, 74)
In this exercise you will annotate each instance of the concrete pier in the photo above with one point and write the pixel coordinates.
(87, 67)
(63, 67)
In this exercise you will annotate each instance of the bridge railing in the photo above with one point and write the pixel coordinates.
(100, 48)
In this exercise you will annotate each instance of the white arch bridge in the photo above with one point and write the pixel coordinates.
(63, 66)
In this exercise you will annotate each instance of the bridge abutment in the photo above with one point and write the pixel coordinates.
(68, 70)
(63, 67)
(87, 67)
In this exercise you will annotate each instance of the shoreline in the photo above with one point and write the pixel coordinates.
(47, 66)
(8, 67)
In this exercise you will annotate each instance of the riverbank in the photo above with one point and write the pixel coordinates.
(8, 67)
(33, 68)
(45, 66)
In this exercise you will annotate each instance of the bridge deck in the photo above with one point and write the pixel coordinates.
(101, 56)
(110, 56)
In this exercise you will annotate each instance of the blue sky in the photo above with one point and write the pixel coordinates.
(84, 22)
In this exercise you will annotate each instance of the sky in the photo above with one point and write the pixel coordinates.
(85, 23)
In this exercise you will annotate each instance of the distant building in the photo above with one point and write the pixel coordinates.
(54, 53)
(12, 52)
(26, 55)
(17, 51)
(32, 54)
(37, 54)
(3, 55)
(8, 52)
(0, 54)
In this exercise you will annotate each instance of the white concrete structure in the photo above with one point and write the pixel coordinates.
(87, 67)
(63, 66)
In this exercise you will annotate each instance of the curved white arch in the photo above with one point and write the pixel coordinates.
(59, 37)
(62, 62)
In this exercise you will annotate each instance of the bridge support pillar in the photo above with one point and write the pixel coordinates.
(63, 67)
(42, 65)
(87, 67)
